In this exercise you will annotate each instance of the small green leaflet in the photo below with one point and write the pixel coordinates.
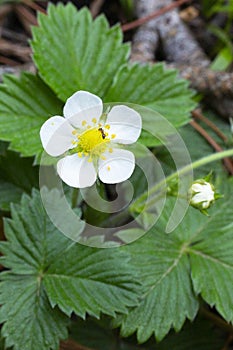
(194, 259)
(48, 269)
(26, 103)
(73, 52)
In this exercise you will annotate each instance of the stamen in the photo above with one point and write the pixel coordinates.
(110, 150)
(92, 143)
(113, 136)
(94, 120)
(74, 132)
(88, 126)
(107, 126)
(84, 122)
(108, 168)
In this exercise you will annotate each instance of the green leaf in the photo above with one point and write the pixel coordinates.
(16, 177)
(30, 321)
(223, 60)
(26, 103)
(169, 298)
(89, 282)
(154, 87)
(46, 268)
(73, 52)
(212, 261)
(195, 258)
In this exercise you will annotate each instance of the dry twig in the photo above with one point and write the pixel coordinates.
(33, 5)
(11, 49)
(181, 48)
(153, 15)
(177, 41)
(227, 161)
(26, 17)
(72, 345)
(95, 7)
(198, 115)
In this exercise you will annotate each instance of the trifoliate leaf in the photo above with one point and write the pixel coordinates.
(26, 102)
(195, 258)
(154, 87)
(16, 176)
(73, 52)
(47, 266)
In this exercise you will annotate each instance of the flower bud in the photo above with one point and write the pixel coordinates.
(201, 194)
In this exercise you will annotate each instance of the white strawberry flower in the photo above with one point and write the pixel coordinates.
(90, 145)
(202, 194)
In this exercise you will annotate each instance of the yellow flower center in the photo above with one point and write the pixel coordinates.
(92, 142)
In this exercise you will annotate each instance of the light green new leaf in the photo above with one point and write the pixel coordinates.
(154, 87)
(45, 265)
(73, 52)
(30, 321)
(25, 104)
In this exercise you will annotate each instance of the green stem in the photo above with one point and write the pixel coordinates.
(74, 198)
(198, 163)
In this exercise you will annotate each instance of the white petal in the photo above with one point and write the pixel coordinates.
(76, 172)
(199, 198)
(56, 136)
(197, 187)
(81, 107)
(118, 166)
(125, 123)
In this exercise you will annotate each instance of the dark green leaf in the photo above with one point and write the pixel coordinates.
(47, 268)
(212, 260)
(169, 298)
(30, 321)
(169, 278)
(26, 103)
(17, 175)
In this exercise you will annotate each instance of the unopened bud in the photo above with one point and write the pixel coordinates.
(201, 194)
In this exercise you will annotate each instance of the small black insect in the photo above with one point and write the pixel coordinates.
(102, 133)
